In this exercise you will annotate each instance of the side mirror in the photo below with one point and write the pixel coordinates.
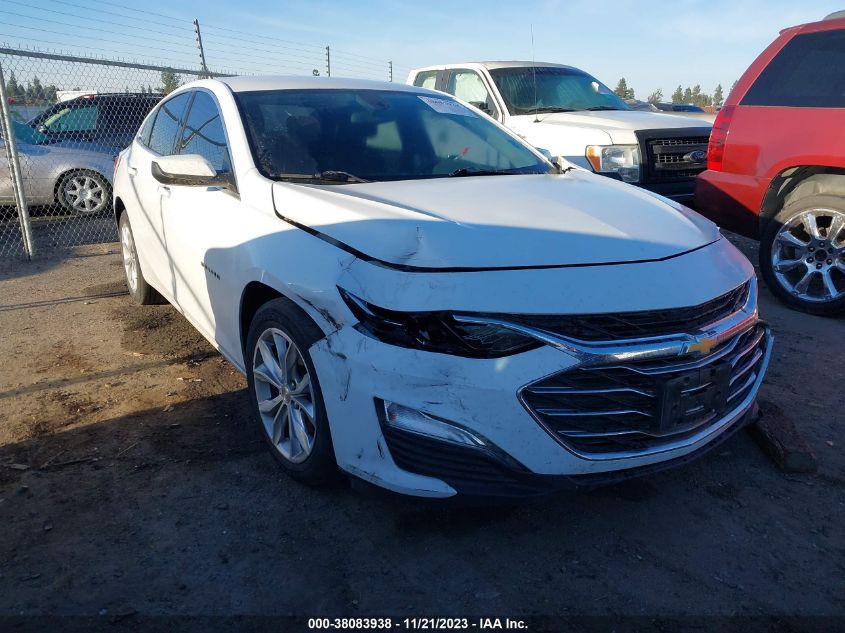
(190, 170)
(481, 105)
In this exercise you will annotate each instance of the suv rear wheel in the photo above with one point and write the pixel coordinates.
(802, 254)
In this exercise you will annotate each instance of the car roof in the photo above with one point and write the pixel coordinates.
(495, 65)
(279, 82)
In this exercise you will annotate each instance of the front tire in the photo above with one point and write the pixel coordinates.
(286, 396)
(802, 255)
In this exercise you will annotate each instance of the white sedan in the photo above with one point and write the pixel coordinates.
(420, 300)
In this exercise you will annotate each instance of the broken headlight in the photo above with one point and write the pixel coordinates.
(436, 331)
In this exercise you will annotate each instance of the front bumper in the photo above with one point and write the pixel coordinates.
(483, 396)
(681, 191)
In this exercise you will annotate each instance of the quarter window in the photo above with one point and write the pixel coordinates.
(809, 72)
(204, 134)
(167, 124)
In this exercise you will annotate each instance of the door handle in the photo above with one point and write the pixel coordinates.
(132, 170)
(164, 190)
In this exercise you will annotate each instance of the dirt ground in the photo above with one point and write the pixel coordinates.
(132, 483)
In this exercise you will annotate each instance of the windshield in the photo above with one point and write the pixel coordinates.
(345, 136)
(26, 134)
(556, 90)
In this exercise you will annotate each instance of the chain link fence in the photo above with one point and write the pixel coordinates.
(66, 117)
(60, 138)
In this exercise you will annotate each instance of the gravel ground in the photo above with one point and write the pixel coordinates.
(132, 483)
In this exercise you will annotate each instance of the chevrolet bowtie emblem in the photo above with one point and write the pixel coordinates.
(702, 345)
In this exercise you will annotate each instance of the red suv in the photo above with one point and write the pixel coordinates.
(776, 164)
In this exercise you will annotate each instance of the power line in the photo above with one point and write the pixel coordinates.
(121, 15)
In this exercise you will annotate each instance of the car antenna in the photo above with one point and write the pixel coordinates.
(534, 73)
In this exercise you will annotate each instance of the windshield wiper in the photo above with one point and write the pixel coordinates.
(596, 108)
(463, 171)
(545, 110)
(330, 175)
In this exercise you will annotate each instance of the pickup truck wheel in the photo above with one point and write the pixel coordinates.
(286, 393)
(802, 255)
(140, 291)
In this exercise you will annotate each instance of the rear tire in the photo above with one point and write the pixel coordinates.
(802, 255)
(285, 392)
(140, 291)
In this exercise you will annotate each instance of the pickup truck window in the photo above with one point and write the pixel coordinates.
(375, 135)
(426, 79)
(468, 86)
(526, 90)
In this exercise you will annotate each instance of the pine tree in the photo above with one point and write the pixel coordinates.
(169, 81)
(678, 95)
(623, 91)
(687, 98)
(718, 97)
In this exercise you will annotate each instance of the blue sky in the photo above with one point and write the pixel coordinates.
(652, 44)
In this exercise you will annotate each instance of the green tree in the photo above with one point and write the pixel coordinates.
(50, 94)
(13, 88)
(718, 97)
(656, 96)
(687, 98)
(169, 81)
(623, 91)
(678, 95)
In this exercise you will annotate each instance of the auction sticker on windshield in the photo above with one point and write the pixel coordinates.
(447, 106)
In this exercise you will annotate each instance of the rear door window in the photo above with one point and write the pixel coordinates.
(809, 72)
(167, 124)
(426, 79)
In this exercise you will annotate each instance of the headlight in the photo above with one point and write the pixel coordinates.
(436, 331)
(616, 159)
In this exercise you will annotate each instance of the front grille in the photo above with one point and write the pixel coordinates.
(638, 406)
(602, 327)
(668, 159)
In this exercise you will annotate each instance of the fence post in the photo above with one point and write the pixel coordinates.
(390, 69)
(15, 169)
(199, 45)
(328, 62)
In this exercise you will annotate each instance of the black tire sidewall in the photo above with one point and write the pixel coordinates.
(320, 467)
(767, 242)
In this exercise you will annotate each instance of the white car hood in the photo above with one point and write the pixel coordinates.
(619, 121)
(495, 222)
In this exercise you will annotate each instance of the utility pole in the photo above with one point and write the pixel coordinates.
(199, 46)
(328, 62)
(390, 70)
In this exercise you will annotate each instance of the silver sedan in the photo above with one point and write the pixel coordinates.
(74, 176)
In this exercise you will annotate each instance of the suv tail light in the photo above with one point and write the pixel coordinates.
(718, 138)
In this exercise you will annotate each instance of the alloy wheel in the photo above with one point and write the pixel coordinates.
(85, 193)
(808, 255)
(130, 256)
(285, 395)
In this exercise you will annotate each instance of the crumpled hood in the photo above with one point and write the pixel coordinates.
(496, 221)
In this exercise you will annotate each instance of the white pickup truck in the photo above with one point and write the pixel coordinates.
(570, 114)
